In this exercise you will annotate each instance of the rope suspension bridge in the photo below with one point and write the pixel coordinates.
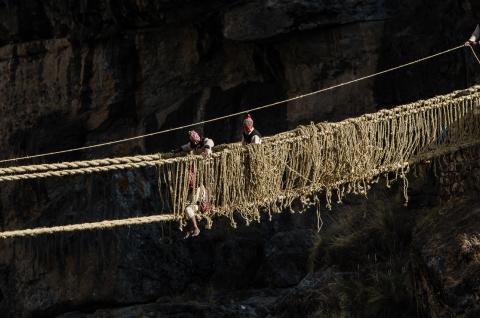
(330, 158)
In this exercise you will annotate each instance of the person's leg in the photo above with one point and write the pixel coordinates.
(188, 230)
(196, 230)
(190, 211)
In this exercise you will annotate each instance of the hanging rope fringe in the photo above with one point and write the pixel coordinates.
(297, 135)
(331, 158)
(108, 224)
(344, 157)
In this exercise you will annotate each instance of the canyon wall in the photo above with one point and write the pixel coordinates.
(76, 73)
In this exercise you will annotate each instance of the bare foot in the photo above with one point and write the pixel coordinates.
(186, 235)
(196, 232)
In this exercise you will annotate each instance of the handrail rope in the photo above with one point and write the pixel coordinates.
(81, 164)
(237, 113)
(474, 54)
(108, 164)
(106, 224)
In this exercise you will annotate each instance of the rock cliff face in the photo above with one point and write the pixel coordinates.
(74, 73)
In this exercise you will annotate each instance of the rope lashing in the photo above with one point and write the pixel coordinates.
(121, 163)
(109, 224)
(237, 113)
(324, 157)
(342, 157)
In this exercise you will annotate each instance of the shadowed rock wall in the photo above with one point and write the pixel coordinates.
(74, 73)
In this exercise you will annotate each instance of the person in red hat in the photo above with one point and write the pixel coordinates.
(197, 195)
(250, 134)
(475, 38)
(197, 144)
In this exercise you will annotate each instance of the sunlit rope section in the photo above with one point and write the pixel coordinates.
(332, 158)
(140, 161)
(326, 157)
(101, 225)
(316, 92)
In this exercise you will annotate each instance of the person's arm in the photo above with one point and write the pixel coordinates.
(196, 195)
(204, 200)
(256, 140)
(185, 147)
(202, 194)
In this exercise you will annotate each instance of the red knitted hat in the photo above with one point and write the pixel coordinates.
(248, 121)
(194, 136)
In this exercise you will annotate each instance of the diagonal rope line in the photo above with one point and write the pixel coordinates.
(108, 224)
(121, 163)
(237, 113)
(88, 226)
(474, 54)
(460, 111)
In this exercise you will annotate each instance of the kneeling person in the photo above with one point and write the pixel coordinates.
(197, 144)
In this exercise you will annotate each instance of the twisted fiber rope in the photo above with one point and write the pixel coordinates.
(330, 156)
(103, 165)
(87, 226)
(290, 195)
(474, 54)
(62, 173)
(238, 113)
(79, 164)
(341, 156)
(108, 224)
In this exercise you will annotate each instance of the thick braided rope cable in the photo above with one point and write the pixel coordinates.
(121, 163)
(81, 164)
(82, 171)
(61, 173)
(237, 113)
(445, 112)
(108, 224)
